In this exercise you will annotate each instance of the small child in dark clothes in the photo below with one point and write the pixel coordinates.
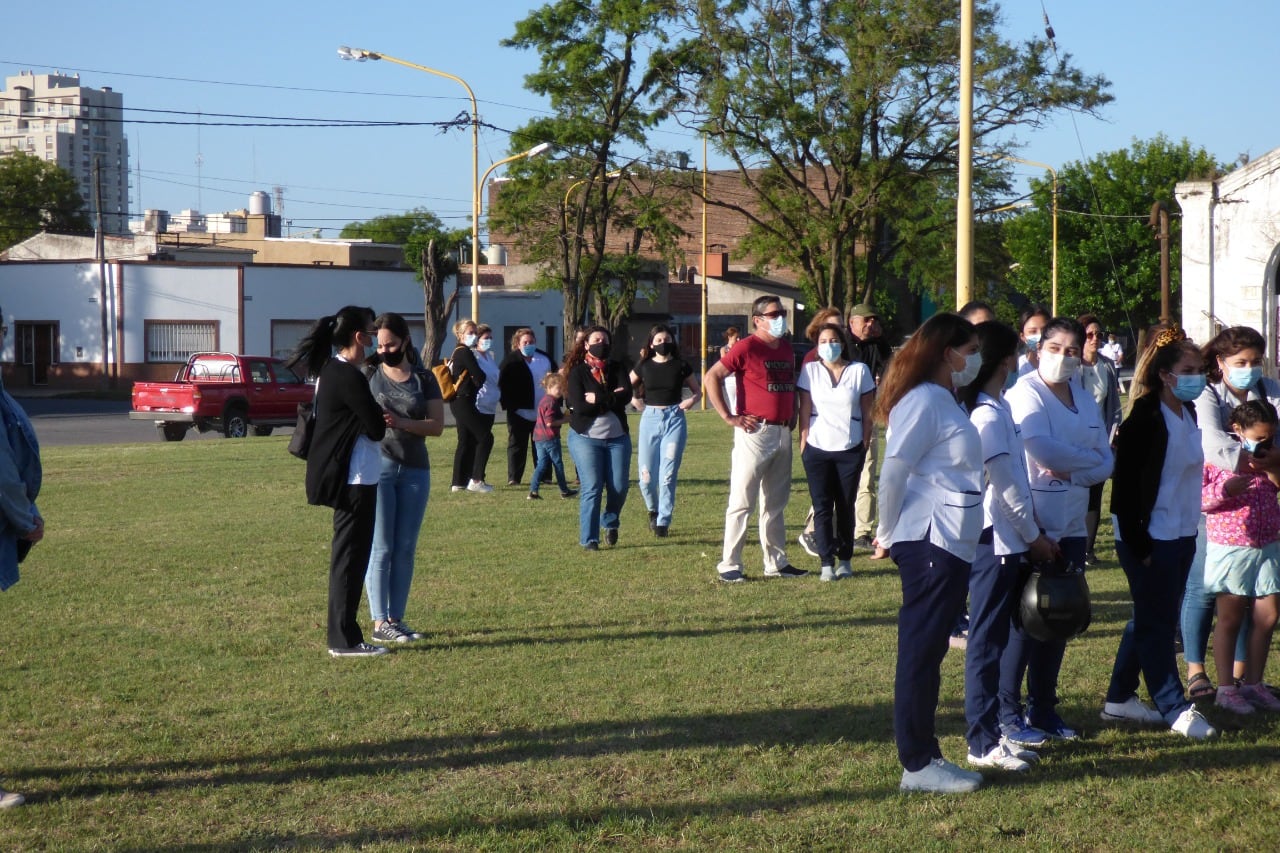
(546, 436)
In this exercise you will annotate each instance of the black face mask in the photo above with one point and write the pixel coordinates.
(393, 358)
(600, 351)
(665, 348)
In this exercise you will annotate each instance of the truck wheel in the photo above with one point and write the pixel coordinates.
(235, 423)
(173, 432)
(261, 430)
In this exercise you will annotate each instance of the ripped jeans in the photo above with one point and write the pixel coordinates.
(663, 433)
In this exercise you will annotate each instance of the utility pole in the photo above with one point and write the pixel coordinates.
(964, 192)
(99, 252)
(1160, 222)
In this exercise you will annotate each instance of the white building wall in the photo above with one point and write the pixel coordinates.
(1230, 243)
(66, 294)
(178, 293)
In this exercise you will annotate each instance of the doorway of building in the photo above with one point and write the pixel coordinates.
(37, 349)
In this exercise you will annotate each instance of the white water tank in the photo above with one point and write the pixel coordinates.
(259, 203)
(496, 254)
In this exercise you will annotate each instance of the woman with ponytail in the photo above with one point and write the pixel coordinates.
(343, 466)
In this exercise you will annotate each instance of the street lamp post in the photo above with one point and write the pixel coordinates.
(360, 55)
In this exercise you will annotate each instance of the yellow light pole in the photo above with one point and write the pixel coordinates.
(703, 269)
(532, 152)
(964, 176)
(360, 55)
(1053, 258)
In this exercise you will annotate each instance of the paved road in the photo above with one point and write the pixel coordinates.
(63, 422)
(66, 422)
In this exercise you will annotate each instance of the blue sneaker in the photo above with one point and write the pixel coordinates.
(732, 576)
(1055, 728)
(1024, 736)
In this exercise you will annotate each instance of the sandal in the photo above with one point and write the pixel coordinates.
(1200, 687)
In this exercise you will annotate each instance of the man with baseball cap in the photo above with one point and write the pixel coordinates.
(870, 348)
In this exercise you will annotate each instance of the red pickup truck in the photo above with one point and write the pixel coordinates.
(234, 394)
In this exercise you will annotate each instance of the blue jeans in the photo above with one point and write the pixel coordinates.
(663, 434)
(1198, 608)
(833, 486)
(1040, 661)
(1146, 645)
(993, 595)
(933, 587)
(604, 468)
(548, 455)
(402, 503)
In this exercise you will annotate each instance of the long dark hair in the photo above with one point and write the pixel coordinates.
(996, 343)
(398, 326)
(579, 352)
(335, 331)
(920, 358)
(646, 351)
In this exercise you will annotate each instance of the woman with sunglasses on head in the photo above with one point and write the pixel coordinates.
(344, 462)
(1067, 450)
(930, 520)
(1155, 498)
(413, 409)
(1099, 376)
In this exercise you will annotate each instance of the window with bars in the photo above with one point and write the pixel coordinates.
(176, 340)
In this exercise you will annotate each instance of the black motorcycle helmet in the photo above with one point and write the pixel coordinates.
(1054, 603)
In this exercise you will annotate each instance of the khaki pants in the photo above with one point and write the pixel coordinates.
(864, 508)
(761, 471)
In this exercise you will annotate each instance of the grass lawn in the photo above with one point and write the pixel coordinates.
(166, 686)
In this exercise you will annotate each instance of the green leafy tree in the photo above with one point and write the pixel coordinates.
(599, 69)
(841, 117)
(428, 248)
(1108, 257)
(35, 196)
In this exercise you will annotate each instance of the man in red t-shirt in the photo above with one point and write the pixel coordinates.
(764, 366)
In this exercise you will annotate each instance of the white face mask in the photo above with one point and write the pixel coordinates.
(972, 364)
(1056, 367)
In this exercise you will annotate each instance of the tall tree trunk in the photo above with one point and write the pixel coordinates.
(436, 308)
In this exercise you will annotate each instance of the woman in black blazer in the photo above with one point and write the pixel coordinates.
(344, 463)
(475, 429)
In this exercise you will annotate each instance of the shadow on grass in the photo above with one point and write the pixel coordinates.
(626, 631)
(764, 729)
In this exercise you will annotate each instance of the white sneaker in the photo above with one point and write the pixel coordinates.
(1191, 724)
(828, 574)
(1021, 752)
(1132, 710)
(479, 486)
(941, 777)
(843, 570)
(457, 488)
(1002, 757)
(10, 799)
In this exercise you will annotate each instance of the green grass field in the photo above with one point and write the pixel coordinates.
(166, 686)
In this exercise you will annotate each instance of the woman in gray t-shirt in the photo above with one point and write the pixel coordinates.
(413, 409)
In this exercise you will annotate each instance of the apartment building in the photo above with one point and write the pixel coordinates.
(53, 117)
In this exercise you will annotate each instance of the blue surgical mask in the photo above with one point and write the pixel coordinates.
(1189, 386)
(528, 350)
(1248, 445)
(1033, 341)
(778, 326)
(485, 344)
(1011, 379)
(1242, 378)
(469, 340)
(830, 351)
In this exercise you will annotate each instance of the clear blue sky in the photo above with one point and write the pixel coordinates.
(1175, 67)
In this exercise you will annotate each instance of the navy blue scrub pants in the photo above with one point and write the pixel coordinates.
(993, 595)
(934, 583)
(1039, 660)
(1147, 642)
